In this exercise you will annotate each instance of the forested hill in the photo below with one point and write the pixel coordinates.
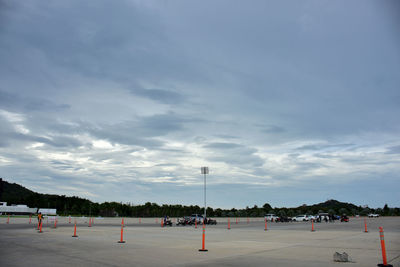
(334, 204)
(16, 194)
(13, 193)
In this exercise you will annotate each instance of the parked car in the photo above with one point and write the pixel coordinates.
(301, 218)
(373, 215)
(283, 219)
(270, 217)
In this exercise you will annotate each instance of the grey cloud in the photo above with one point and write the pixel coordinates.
(175, 151)
(304, 166)
(64, 165)
(159, 125)
(3, 143)
(323, 156)
(199, 139)
(47, 124)
(234, 154)
(273, 129)
(168, 165)
(43, 104)
(258, 171)
(309, 147)
(64, 141)
(140, 132)
(13, 101)
(58, 141)
(393, 150)
(223, 145)
(226, 136)
(294, 155)
(124, 135)
(238, 159)
(9, 135)
(160, 95)
(132, 46)
(324, 147)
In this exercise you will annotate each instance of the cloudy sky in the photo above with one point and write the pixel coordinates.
(287, 102)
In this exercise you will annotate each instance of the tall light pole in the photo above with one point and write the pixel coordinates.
(204, 170)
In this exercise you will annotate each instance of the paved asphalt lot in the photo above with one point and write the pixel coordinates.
(147, 244)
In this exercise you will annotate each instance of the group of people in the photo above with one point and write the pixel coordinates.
(325, 218)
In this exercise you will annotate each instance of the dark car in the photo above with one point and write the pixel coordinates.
(283, 219)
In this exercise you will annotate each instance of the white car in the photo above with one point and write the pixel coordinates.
(373, 215)
(270, 217)
(301, 218)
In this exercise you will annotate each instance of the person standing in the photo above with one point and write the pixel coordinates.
(40, 217)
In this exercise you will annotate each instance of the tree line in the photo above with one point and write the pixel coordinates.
(16, 194)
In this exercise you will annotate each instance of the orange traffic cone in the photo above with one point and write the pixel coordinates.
(75, 231)
(40, 229)
(384, 259)
(122, 233)
(203, 249)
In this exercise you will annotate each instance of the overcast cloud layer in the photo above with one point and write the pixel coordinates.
(287, 102)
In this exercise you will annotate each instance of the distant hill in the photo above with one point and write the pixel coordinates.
(335, 205)
(13, 193)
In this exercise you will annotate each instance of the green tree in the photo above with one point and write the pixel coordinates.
(386, 210)
(343, 211)
(267, 207)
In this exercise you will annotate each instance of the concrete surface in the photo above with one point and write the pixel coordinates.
(147, 244)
